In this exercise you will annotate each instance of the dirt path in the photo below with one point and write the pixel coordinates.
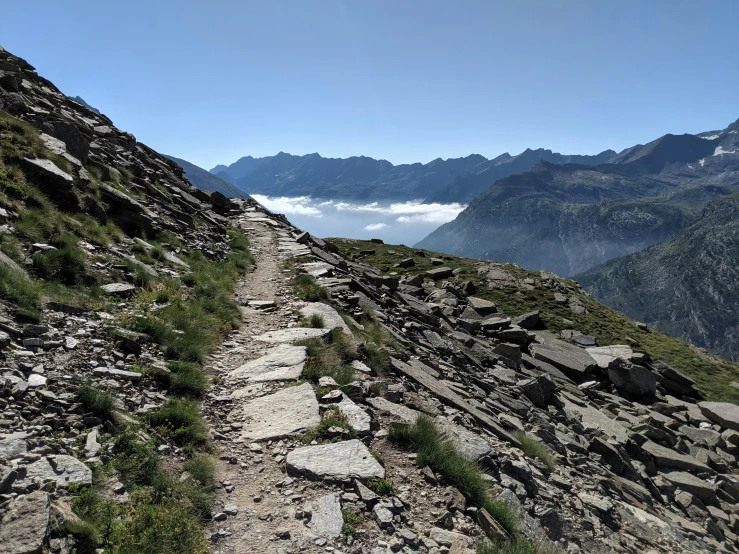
(266, 500)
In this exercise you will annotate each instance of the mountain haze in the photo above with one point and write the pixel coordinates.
(686, 287)
(568, 218)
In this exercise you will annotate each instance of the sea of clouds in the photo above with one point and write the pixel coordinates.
(395, 222)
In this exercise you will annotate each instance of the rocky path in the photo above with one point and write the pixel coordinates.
(258, 503)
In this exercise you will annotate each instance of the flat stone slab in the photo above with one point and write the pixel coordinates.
(406, 414)
(604, 356)
(440, 273)
(572, 360)
(355, 415)
(283, 362)
(62, 469)
(118, 288)
(667, 457)
(341, 461)
(694, 485)
(294, 334)
(331, 318)
(317, 269)
(327, 518)
(594, 419)
(290, 411)
(116, 374)
(723, 413)
(261, 304)
(24, 524)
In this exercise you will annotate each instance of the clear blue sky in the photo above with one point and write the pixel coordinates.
(395, 79)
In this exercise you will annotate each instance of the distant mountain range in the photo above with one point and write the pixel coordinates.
(367, 179)
(569, 218)
(687, 287)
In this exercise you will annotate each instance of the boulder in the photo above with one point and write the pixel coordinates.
(723, 413)
(49, 174)
(666, 457)
(527, 321)
(634, 379)
(341, 461)
(440, 273)
(572, 360)
(24, 524)
(699, 488)
(605, 356)
(61, 469)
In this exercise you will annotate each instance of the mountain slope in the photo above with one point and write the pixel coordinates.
(466, 187)
(569, 218)
(207, 181)
(686, 287)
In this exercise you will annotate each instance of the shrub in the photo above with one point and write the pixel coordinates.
(98, 402)
(351, 521)
(180, 419)
(536, 449)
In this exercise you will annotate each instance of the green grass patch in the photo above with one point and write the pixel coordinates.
(329, 419)
(21, 291)
(98, 402)
(383, 487)
(352, 520)
(435, 450)
(534, 448)
(180, 419)
(306, 288)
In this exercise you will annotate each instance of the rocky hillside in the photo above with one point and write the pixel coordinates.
(204, 180)
(181, 372)
(570, 218)
(685, 287)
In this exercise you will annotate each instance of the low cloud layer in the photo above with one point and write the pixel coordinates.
(399, 222)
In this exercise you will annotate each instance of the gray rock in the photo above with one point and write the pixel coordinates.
(92, 446)
(24, 524)
(383, 516)
(440, 273)
(471, 445)
(528, 320)
(341, 461)
(447, 538)
(331, 318)
(539, 390)
(359, 419)
(723, 413)
(49, 172)
(118, 289)
(481, 306)
(634, 379)
(327, 517)
(292, 335)
(572, 360)
(283, 362)
(697, 487)
(62, 469)
(289, 411)
(604, 356)
(116, 374)
(669, 458)
(13, 445)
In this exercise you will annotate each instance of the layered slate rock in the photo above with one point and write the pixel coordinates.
(703, 490)
(23, 526)
(355, 415)
(723, 413)
(666, 457)
(283, 362)
(341, 461)
(286, 336)
(570, 359)
(604, 356)
(327, 518)
(289, 411)
(331, 318)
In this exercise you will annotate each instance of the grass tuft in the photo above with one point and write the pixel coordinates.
(98, 402)
(180, 419)
(534, 448)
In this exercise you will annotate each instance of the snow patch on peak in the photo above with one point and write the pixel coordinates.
(719, 150)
